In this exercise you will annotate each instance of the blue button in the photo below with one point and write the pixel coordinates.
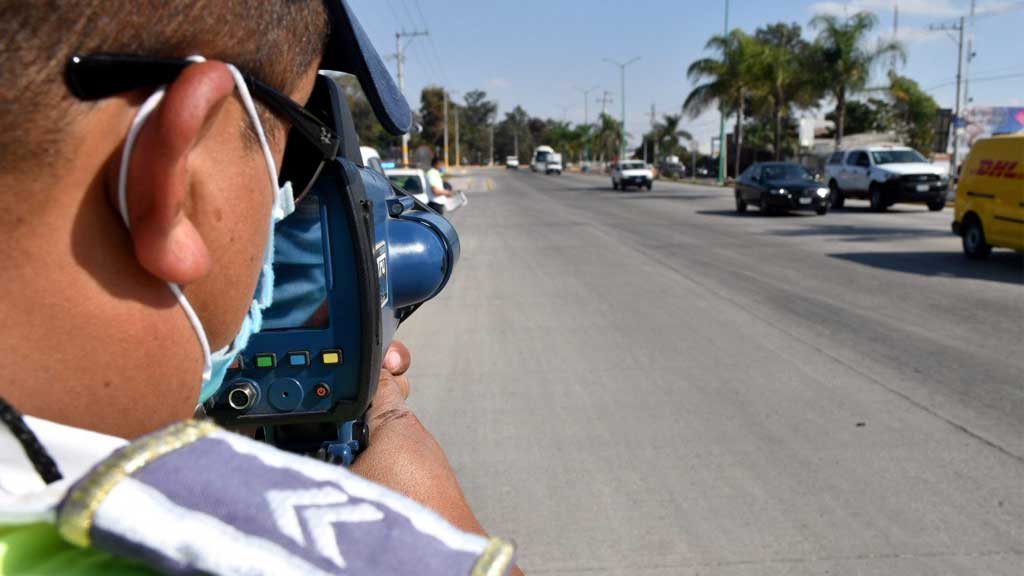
(298, 359)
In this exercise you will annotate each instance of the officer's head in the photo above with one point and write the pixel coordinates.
(96, 338)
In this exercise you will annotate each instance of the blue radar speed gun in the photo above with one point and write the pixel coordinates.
(354, 261)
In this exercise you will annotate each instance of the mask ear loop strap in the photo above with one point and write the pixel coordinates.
(122, 204)
(122, 188)
(250, 108)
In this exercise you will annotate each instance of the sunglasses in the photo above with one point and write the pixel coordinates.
(312, 139)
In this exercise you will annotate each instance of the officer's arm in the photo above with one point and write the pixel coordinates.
(404, 455)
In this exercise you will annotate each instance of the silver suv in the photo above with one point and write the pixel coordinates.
(885, 175)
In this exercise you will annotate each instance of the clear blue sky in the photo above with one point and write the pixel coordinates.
(535, 53)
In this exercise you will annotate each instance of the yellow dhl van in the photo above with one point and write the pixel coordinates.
(990, 196)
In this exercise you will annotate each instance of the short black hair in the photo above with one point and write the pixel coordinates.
(436, 161)
(275, 40)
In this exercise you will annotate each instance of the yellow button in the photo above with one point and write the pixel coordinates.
(331, 358)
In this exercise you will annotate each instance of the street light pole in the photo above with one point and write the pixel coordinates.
(586, 115)
(622, 75)
(721, 124)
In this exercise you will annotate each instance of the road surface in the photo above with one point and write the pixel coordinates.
(647, 383)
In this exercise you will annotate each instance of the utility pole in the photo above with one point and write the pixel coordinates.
(894, 59)
(622, 76)
(400, 60)
(586, 117)
(458, 153)
(490, 161)
(445, 92)
(654, 137)
(586, 103)
(605, 100)
(446, 99)
(693, 161)
(515, 138)
(957, 27)
(970, 56)
(721, 124)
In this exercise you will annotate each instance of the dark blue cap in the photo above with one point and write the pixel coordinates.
(349, 50)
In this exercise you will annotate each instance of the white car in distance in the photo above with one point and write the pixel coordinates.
(635, 173)
(413, 181)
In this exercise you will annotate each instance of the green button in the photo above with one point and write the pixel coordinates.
(265, 361)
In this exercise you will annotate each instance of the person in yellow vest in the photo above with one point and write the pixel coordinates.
(140, 142)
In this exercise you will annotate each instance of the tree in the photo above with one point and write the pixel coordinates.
(667, 135)
(608, 137)
(583, 134)
(562, 137)
(510, 131)
(844, 62)
(871, 115)
(370, 131)
(729, 79)
(432, 116)
(784, 74)
(475, 122)
(913, 113)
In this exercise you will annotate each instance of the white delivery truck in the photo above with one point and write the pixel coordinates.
(546, 160)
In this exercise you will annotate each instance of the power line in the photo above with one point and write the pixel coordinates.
(1011, 7)
(977, 79)
(405, 6)
(394, 12)
(436, 62)
(999, 77)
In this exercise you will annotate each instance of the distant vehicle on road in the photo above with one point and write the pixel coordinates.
(512, 162)
(628, 173)
(371, 159)
(672, 168)
(990, 197)
(706, 168)
(886, 175)
(413, 181)
(780, 186)
(546, 160)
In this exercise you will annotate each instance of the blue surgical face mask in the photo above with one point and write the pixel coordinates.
(215, 365)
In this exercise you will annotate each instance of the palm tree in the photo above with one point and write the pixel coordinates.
(608, 137)
(583, 134)
(844, 61)
(729, 80)
(784, 74)
(667, 133)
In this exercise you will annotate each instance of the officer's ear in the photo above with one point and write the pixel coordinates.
(166, 241)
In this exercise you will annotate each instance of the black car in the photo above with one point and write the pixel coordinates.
(780, 186)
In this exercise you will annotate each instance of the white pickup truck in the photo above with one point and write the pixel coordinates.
(885, 175)
(632, 173)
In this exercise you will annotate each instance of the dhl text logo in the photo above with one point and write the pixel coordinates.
(998, 169)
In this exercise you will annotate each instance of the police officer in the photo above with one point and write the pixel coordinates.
(137, 191)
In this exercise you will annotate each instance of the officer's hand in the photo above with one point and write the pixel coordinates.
(403, 455)
(396, 362)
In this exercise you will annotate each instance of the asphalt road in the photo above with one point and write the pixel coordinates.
(649, 384)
